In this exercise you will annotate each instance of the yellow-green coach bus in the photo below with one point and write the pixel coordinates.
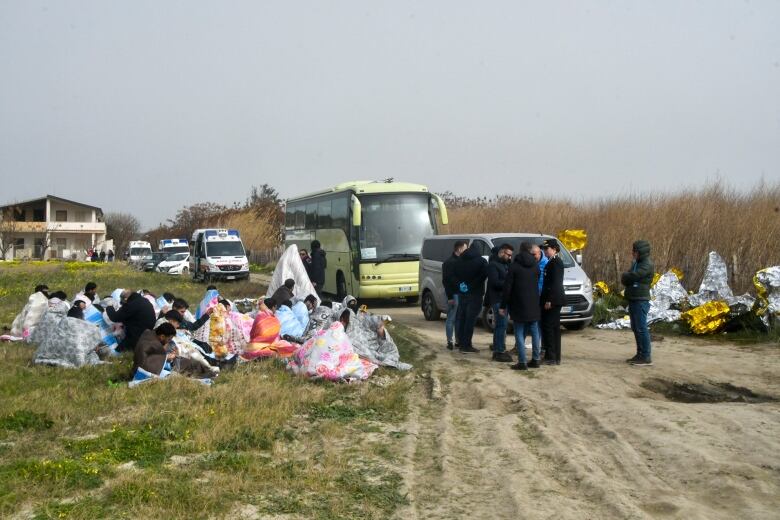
(371, 232)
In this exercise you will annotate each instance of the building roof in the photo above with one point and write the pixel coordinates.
(54, 198)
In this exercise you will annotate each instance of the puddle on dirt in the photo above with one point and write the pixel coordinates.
(709, 392)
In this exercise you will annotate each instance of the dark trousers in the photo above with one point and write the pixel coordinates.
(551, 332)
(469, 305)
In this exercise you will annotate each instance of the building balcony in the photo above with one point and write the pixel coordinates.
(60, 227)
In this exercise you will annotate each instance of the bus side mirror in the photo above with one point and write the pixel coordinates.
(578, 258)
(357, 209)
(442, 209)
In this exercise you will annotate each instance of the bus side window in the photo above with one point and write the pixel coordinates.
(323, 214)
(289, 218)
(339, 213)
(311, 216)
(300, 217)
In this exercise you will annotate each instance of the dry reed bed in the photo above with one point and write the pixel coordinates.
(682, 228)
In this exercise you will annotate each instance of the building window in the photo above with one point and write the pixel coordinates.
(61, 243)
(39, 215)
(19, 243)
(61, 215)
(81, 216)
(18, 215)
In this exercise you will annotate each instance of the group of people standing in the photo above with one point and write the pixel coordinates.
(315, 264)
(528, 289)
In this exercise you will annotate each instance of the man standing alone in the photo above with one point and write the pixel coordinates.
(637, 282)
(450, 283)
(552, 299)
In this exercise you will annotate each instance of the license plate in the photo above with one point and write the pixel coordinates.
(565, 310)
(405, 288)
(231, 277)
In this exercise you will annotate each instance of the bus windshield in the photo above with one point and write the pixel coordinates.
(393, 226)
(227, 248)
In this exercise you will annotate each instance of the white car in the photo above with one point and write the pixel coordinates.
(175, 263)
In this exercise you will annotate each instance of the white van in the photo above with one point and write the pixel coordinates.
(174, 245)
(575, 315)
(218, 254)
(139, 251)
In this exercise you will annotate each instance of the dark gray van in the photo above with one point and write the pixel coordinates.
(575, 315)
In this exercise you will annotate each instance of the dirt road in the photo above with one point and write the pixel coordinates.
(594, 437)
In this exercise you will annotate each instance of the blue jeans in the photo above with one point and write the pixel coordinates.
(499, 333)
(451, 324)
(536, 340)
(637, 311)
(522, 329)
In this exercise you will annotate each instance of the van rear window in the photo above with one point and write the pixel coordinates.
(438, 250)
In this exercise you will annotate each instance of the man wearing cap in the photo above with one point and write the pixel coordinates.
(552, 299)
(637, 281)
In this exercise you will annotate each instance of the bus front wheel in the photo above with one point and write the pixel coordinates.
(341, 286)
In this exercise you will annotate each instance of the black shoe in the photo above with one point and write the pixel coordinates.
(519, 366)
(637, 357)
(449, 345)
(502, 357)
(468, 350)
(533, 364)
(643, 362)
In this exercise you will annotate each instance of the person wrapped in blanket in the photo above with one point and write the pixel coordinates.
(162, 345)
(265, 337)
(330, 355)
(370, 339)
(295, 319)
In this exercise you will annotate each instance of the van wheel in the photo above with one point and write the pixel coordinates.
(341, 286)
(185, 271)
(488, 319)
(577, 325)
(430, 311)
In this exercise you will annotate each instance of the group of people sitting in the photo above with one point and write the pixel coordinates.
(320, 339)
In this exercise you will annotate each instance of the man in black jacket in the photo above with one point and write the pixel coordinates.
(136, 314)
(498, 266)
(450, 284)
(318, 265)
(552, 299)
(521, 297)
(638, 281)
(470, 273)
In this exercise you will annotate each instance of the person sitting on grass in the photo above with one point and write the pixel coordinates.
(136, 314)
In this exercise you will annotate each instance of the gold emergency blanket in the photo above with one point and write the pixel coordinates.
(708, 318)
(573, 239)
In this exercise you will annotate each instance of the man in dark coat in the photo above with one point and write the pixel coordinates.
(470, 273)
(318, 265)
(552, 299)
(498, 266)
(521, 297)
(285, 292)
(637, 282)
(450, 283)
(136, 314)
(151, 352)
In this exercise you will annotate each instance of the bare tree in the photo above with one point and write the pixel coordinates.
(122, 227)
(8, 231)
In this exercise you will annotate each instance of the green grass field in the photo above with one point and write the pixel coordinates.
(80, 444)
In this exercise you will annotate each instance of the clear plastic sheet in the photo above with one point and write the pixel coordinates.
(65, 342)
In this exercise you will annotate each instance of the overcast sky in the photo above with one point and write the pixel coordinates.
(146, 106)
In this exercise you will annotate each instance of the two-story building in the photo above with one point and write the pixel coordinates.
(51, 227)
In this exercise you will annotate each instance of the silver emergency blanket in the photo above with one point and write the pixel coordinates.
(715, 286)
(767, 282)
(665, 294)
(364, 334)
(65, 342)
(321, 317)
(290, 265)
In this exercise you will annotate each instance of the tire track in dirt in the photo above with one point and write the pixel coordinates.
(555, 443)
